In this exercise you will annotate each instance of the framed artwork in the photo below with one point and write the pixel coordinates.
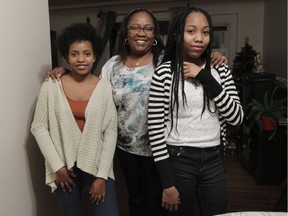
(220, 42)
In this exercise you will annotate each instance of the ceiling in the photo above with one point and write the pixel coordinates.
(76, 3)
(55, 3)
(69, 4)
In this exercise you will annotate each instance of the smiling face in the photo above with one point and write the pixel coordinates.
(196, 36)
(140, 41)
(81, 57)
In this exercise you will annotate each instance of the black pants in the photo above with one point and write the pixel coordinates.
(199, 174)
(143, 184)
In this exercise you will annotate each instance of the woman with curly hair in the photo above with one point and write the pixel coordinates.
(75, 126)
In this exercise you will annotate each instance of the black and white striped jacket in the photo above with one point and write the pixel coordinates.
(224, 95)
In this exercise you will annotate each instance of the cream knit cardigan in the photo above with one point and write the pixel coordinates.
(60, 139)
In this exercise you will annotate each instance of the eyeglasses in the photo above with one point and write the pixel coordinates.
(136, 29)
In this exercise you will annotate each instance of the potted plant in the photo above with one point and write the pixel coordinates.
(267, 114)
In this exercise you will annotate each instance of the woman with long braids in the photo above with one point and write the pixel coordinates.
(189, 106)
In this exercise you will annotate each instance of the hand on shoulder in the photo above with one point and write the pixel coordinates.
(217, 58)
(55, 74)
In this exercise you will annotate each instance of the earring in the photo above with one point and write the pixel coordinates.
(126, 41)
(155, 42)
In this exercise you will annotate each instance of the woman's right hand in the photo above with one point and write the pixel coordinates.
(171, 199)
(190, 70)
(55, 74)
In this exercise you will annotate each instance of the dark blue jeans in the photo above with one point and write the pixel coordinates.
(199, 174)
(70, 202)
(143, 184)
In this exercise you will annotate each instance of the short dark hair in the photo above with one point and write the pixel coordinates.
(78, 32)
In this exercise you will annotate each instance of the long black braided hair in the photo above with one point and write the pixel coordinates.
(174, 53)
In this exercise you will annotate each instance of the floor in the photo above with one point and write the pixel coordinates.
(243, 193)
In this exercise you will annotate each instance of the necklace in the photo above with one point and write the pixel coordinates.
(141, 59)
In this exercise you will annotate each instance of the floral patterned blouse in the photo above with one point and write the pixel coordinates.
(130, 88)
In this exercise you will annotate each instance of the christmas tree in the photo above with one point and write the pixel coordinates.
(244, 61)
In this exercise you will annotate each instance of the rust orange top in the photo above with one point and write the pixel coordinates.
(78, 110)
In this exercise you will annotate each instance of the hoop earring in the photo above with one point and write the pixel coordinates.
(126, 41)
(155, 42)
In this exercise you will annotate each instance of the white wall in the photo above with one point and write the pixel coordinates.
(25, 54)
(247, 15)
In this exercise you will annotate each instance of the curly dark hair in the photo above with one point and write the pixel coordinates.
(174, 53)
(78, 32)
(124, 48)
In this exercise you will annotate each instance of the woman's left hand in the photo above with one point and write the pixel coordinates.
(97, 191)
(217, 59)
(171, 199)
(190, 70)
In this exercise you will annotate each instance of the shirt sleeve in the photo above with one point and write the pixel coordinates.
(158, 109)
(107, 68)
(40, 130)
(109, 136)
(224, 94)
